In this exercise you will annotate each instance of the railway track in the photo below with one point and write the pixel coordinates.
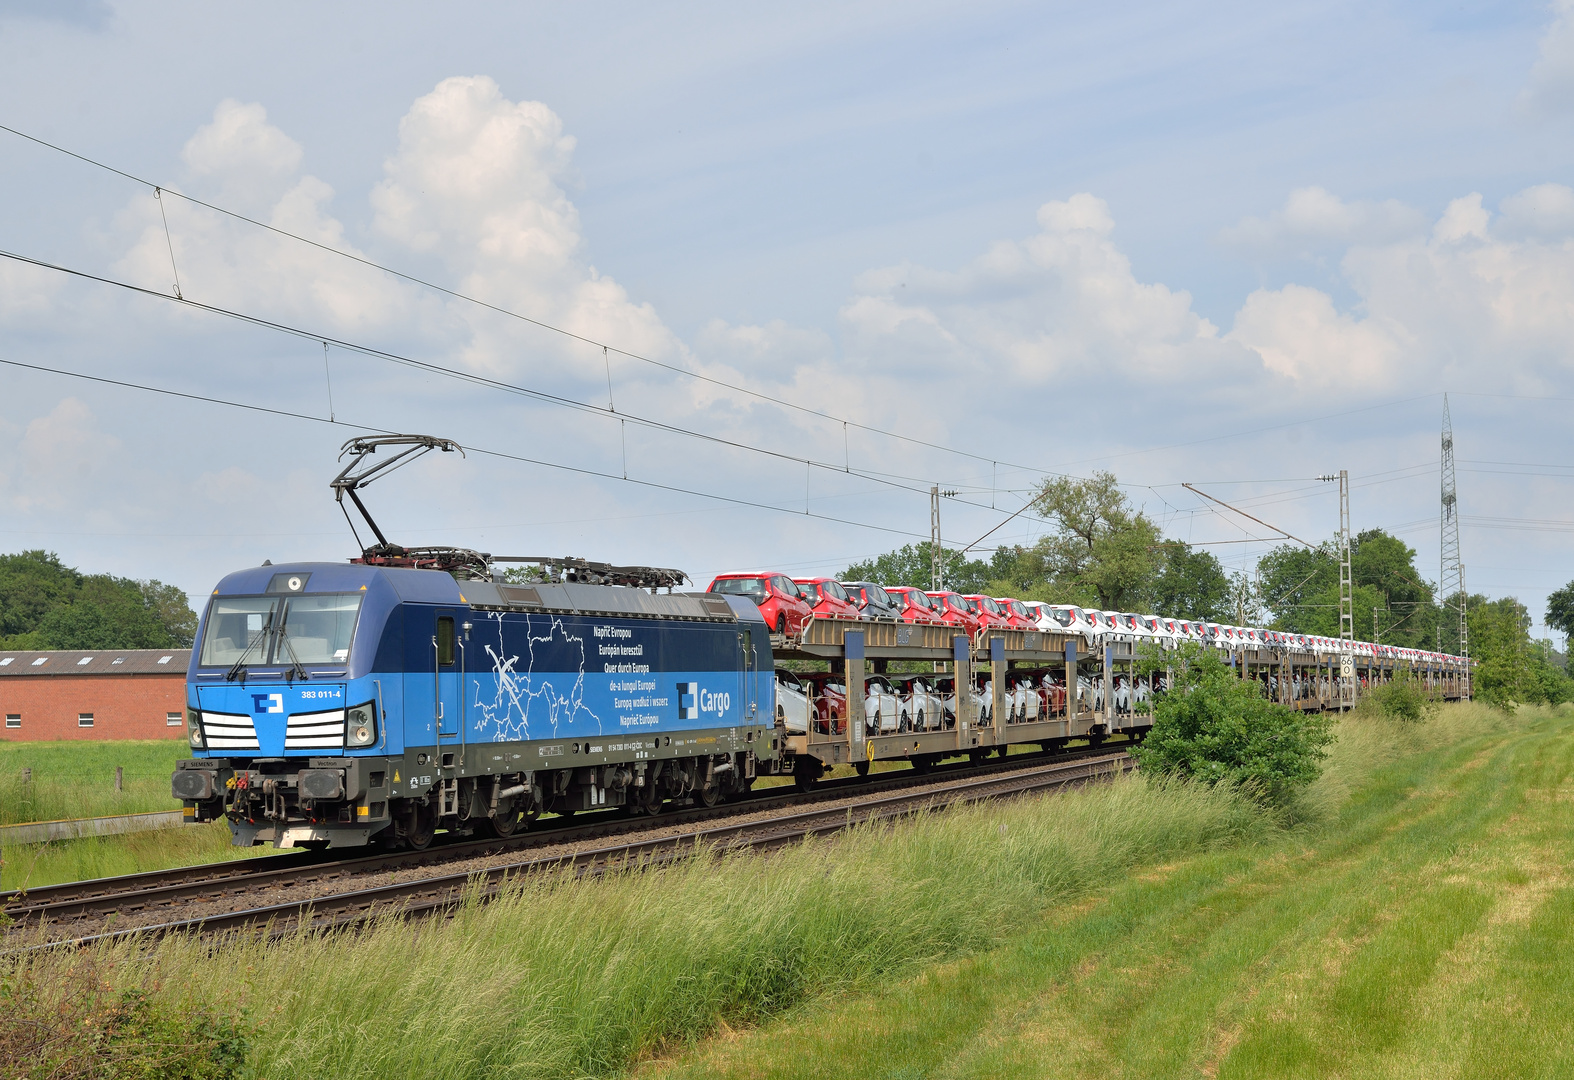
(50, 910)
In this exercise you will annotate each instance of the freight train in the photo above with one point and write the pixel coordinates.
(340, 705)
(417, 690)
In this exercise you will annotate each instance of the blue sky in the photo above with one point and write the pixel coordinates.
(1047, 235)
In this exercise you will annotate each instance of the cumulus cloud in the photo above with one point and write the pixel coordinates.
(477, 180)
(1472, 296)
(1062, 300)
(241, 161)
(1312, 219)
(1550, 87)
(58, 460)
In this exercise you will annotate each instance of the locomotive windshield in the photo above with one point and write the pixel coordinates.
(280, 630)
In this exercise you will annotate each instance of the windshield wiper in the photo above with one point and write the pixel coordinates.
(239, 667)
(295, 661)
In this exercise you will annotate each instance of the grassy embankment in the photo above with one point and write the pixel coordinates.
(74, 779)
(1424, 930)
(1134, 928)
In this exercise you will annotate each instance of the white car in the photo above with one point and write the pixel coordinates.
(925, 710)
(792, 703)
(883, 711)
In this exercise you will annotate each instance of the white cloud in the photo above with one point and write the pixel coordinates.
(1062, 301)
(240, 161)
(1550, 86)
(60, 460)
(478, 181)
(1313, 219)
(1475, 299)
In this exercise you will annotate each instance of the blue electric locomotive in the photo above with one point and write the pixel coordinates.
(336, 705)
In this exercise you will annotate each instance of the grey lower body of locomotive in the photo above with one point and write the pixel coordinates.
(482, 788)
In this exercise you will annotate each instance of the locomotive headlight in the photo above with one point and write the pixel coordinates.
(361, 725)
(194, 727)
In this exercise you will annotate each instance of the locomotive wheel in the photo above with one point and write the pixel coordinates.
(709, 793)
(505, 823)
(420, 828)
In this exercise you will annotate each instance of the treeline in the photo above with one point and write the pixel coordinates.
(1102, 552)
(45, 604)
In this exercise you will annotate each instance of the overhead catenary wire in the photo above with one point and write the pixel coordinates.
(503, 455)
(889, 479)
(542, 324)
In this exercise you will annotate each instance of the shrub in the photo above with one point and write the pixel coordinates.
(71, 1025)
(1216, 727)
(1405, 698)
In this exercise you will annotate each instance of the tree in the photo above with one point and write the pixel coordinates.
(1511, 669)
(1101, 544)
(1300, 586)
(1214, 726)
(910, 565)
(45, 604)
(1190, 584)
(1560, 609)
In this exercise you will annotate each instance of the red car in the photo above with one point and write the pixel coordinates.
(915, 604)
(827, 597)
(989, 612)
(955, 611)
(829, 694)
(1017, 615)
(781, 603)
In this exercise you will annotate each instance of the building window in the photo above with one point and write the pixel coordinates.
(172, 719)
(13, 719)
(84, 719)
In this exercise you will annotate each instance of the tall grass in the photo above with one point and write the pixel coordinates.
(565, 977)
(1366, 740)
(33, 865)
(73, 779)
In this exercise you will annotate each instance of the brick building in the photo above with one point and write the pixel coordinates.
(105, 694)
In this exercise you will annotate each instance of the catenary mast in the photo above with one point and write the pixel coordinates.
(1451, 576)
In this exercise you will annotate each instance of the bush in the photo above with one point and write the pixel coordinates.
(1405, 698)
(1216, 727)
(71, 1025)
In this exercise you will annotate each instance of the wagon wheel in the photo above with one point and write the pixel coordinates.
(420, 828)
(806, 773)
(861, 767)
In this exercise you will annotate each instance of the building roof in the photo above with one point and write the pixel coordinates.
(96, 662)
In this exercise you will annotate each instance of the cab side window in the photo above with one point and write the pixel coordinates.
(445, 640)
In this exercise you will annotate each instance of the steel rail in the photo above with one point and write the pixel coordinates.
(136, 892)
(444, 892)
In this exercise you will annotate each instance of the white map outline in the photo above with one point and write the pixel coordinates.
(509, 711)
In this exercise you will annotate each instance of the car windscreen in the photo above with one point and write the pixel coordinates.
(752, 587)
(280, 630)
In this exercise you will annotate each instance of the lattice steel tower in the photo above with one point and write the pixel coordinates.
(1451, 574)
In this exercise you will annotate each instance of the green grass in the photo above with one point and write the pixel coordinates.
(1411, 915)
(572, 978)
(1421, 927)
(73, 779)
(31, 865)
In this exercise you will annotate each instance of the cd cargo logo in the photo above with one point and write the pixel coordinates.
(694, 702)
